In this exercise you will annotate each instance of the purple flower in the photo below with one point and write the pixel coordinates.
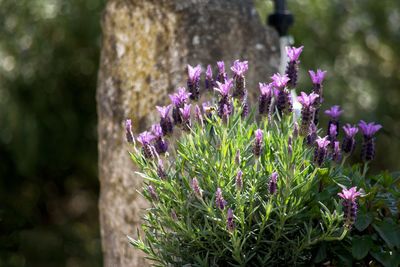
(266, 89)
(209, 82)
(349, 204)
(283, 102)
(164, 111)
(180, 97)
(293, 65)
(225, 107)
(239, 181)
(144, 139)
(312, 136)
(259, 135)
(165, 121)
(129, 133)
(194, 72)
(349, 141)
(230, 224)
(368, 146)
(322, 142)
(293, 53)
(160, 145)
(321, 150)
(219, 199)
(350, 194)
(156, 130)
(221, 67)
(185, 114)
(369, 129)
(221, 72)
(240, 67)
(152, 193)
(334, 112)
(337, 154)
(307, 100)
(279, 80)
(265, 98)
(333, 133)
(272, 186)
(317, 77)
(193, 81)
(161, 171)
(196, 188)
(257, 147)
(283, 98)
(224, 88)
(350, 130)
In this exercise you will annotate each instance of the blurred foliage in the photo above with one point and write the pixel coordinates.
(49, 52)
(357, 43)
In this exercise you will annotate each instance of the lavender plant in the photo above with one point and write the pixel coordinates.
(250, 190)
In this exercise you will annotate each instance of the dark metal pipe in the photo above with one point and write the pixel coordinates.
(282, 19)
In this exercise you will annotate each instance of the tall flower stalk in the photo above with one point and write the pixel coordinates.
(283, 98)
(349, 142)
(225, 106)
(321, 150)
(178, 100)
(317, 78)
(193, 81)
(307, 102)
(350, 207)
(368, 147)
(292, 68)
(145, 139)
(239, 68)
(265, 99)
(334, 114)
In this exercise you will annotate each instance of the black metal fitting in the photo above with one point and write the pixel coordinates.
(282, 19)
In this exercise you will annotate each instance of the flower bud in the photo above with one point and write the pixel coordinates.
(129, 134)
(219, 200)
(230, 224)
(239, 181)
(272, 186)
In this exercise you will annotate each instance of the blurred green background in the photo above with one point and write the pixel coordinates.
(49, 53)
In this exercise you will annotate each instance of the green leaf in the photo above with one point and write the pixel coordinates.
(321, 253)
(388, 259)
(361, 246)
(364, 219)
(389, 231)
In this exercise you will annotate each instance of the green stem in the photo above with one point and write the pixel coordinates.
(365, 169)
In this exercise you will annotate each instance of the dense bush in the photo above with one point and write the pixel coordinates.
(255, 188)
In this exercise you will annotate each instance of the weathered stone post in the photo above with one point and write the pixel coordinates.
(145, 48)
